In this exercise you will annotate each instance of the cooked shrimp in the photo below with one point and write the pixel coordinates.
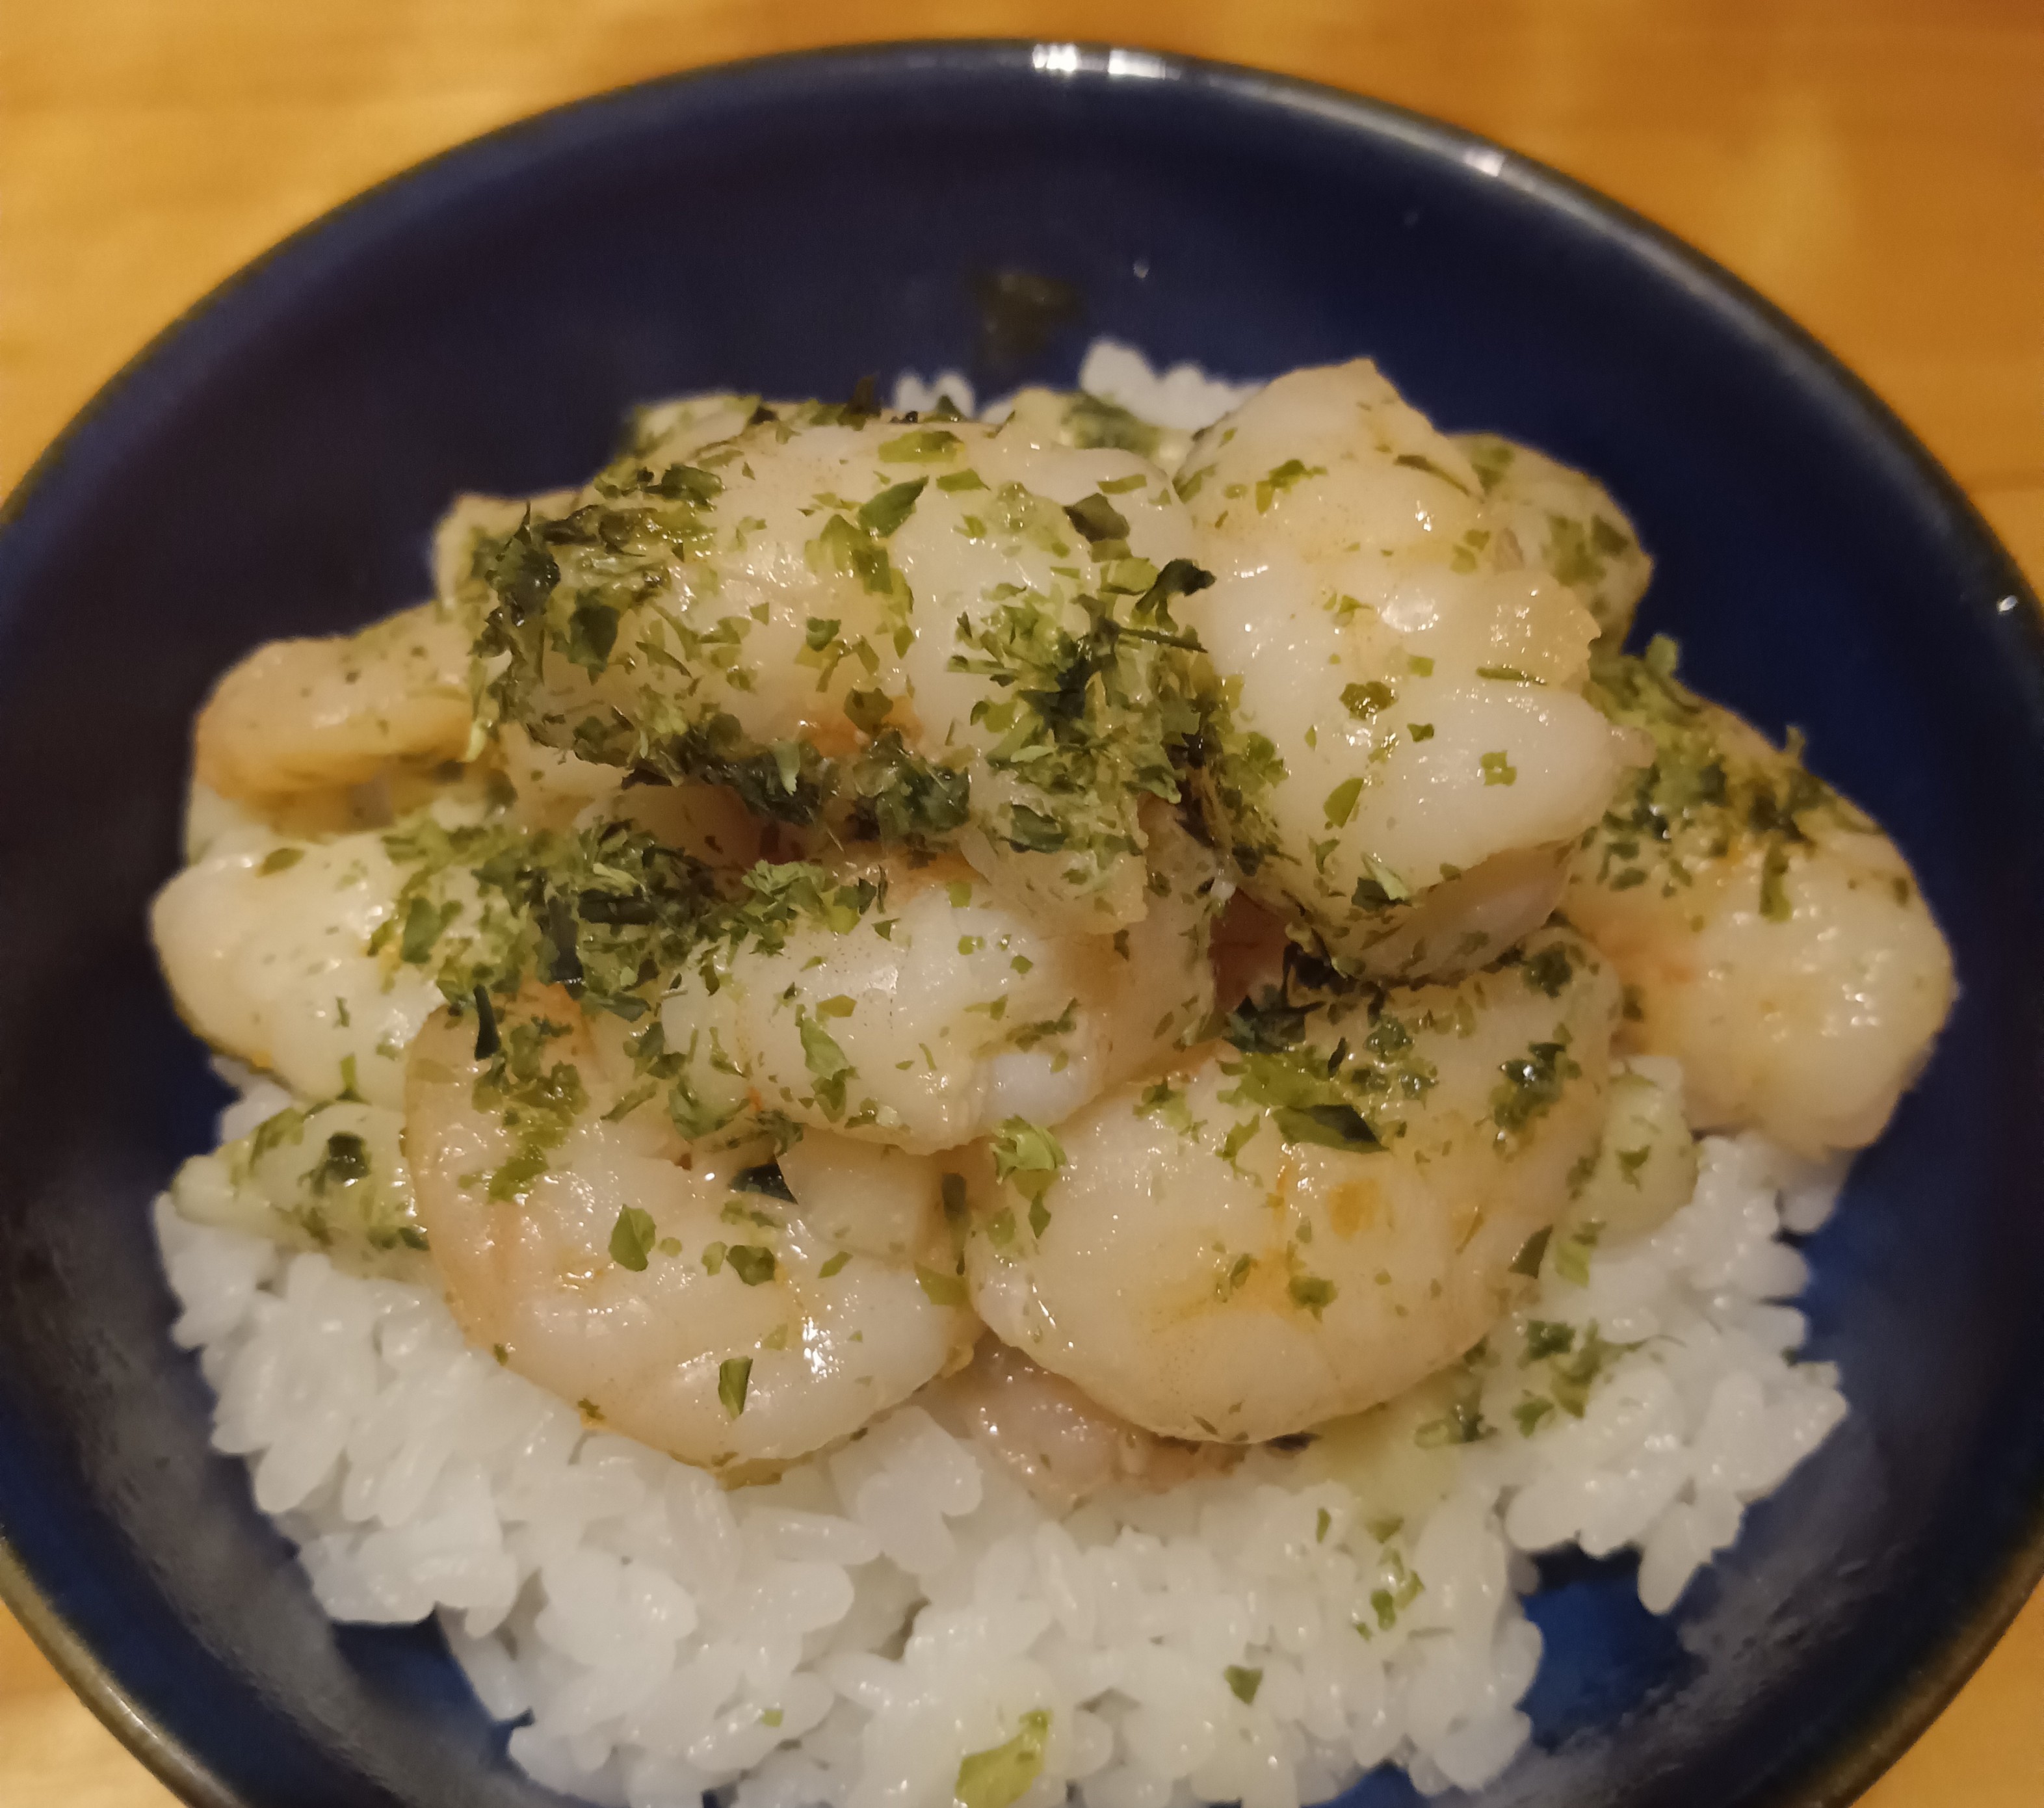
(312, 715)
(583, 1242)
(924, 1012)
(548, 788)
(1044, 643)
(290, 956)
(320, 958)
(1062, 1446)
(1645, 1169)
(303, 816)
(940, 632)
(330, 1177)
(1072, 417)
(663, 431)
(470, 536)
(324, 716)
(1645, 1166)
(1403, 685)
(1770, 937)
(1307, 1222)
(1565, 522)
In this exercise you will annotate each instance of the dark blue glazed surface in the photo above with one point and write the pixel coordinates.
(274, 466)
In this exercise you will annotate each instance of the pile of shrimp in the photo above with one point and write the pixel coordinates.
(1140, 940)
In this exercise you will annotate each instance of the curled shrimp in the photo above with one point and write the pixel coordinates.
(580, 1239)
(912, 1006)
(1770, 937)
(1406, 759)
(314, 716)
(308, 715)
(1566, 522)
(936, 634)
(330, 1177)
(1303, 1222)
(290, 956)
(1060, 1445)
(319, 957)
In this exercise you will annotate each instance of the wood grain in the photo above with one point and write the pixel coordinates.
(1875, 166)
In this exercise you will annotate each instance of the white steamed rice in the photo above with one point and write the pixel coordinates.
(849, 1633)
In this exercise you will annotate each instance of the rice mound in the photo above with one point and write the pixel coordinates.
(848, 1634)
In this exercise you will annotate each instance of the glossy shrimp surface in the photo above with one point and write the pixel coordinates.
(318, 958)
(1271, 1235)
(305, 715)
(330, 1177)
(600, 1256)
(912, 1006)
(1139, 939)
(1770, 937)
(1072, 417)
(1565, 522)
(934, 634)
(1407, 757)
(1059, 1444)
(290, 956)
(311, 716)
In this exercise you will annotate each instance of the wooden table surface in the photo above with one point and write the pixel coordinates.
(1875, 166)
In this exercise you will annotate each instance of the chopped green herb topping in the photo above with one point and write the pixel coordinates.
(827, 1062)
(1310, 1291)
(1711, 795)
(1092, 421)
(1097, 519)
(1572, 1252)
(1341, 802)
(1460, 1424)
(346, 1161)
(1404, 1588)
(1418, 461)
(1549, 969)
(1490, 458)
(633, 1238)
(1364, 700)
(1028, 1157)
(1533, 1083)
(1274, 482)
(1001, 1776)
(923, 444)
(939, 1289)
(888, 510)
(734, 1377)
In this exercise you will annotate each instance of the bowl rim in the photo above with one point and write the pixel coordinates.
(1885, 1729)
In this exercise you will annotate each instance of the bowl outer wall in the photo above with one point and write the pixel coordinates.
(787, 225)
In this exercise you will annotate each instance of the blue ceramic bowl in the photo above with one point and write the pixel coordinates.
(272, 465)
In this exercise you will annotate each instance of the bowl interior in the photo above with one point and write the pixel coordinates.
(275, 465)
